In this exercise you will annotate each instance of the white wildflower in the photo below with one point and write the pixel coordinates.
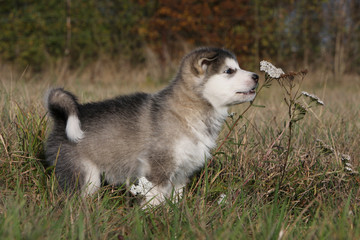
(270, 69)
(347, 164)
(348, 169)
(345, 158)
(142, 187)
(313, 98)
(222, 199)
(346, 161)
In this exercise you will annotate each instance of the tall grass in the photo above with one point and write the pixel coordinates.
(312, 196)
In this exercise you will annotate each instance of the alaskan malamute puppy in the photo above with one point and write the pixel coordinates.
(163, 137)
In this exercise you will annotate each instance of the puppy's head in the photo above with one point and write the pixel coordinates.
(217, 77)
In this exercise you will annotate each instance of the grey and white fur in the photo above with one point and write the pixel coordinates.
(164, 137)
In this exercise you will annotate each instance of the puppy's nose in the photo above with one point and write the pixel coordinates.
(255, 77)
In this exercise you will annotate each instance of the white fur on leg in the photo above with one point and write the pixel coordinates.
(73, 129)
(92, 178)
(179, 193)
(157, 195)
(154, 197)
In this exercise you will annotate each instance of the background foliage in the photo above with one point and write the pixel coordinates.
(310, 32)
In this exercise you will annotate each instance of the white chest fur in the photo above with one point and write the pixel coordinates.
(192, 150)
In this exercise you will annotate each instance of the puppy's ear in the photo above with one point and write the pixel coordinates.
(204, 62)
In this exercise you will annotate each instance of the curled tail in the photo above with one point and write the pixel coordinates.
(63, 106)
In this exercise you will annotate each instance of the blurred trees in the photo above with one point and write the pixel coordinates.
(36, 31)
(293, 32)
(212, 22)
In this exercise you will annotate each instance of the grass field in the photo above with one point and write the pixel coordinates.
(272, 190)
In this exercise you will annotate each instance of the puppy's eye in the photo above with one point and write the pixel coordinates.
(230, 71)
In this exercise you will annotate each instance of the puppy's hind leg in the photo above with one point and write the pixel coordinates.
(92, 178)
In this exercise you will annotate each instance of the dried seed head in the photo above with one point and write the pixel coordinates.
(304, 71)
(324, 147)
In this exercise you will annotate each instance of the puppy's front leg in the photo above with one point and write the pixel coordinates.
(155, 196)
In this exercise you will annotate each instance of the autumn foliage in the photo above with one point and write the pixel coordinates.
(216, 23)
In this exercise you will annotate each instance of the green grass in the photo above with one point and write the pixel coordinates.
(317, 198)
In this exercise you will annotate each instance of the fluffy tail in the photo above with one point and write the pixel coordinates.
(63, 106)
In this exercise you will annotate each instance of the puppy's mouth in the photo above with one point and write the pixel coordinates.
(251, 92)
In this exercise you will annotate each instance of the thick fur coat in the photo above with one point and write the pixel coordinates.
(164, 137)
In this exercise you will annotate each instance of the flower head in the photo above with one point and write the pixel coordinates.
(346, 161)
(142, 187)
(313, 98)
(222, 199)
(270, 69)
